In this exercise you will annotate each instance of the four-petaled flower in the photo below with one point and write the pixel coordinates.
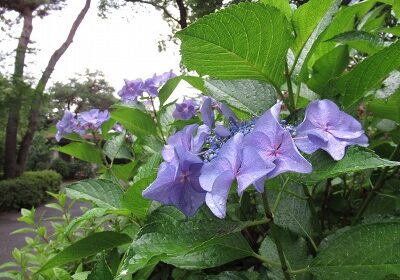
(93, 119)
(275, 144)
(232, 163)
(191, 138)
(326, 127)
(132, 90)
(151, 85)
(177, 182)
(185, 110)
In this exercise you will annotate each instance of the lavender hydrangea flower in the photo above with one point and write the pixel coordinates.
(274, 144)
(93, 119)
(326, 127)
(177, 183)
(232, 163)
(191, 138)
(151, 85)
(132, 90)
(185, 110)
(66, 125)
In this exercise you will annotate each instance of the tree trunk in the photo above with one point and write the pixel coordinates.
(182, 13)
(10, 152)
(38, 94)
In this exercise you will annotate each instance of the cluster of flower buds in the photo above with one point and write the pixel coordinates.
(133, 89)
(201, 162)
(89, 120)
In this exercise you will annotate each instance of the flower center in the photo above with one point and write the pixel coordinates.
(185, 176)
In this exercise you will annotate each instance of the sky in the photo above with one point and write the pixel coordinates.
(123, 46)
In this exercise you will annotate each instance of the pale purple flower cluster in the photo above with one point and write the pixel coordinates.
(133, 89)
(90, 120)
(202, 162)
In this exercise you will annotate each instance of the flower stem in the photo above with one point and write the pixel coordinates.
(156, 119)
(379, 184)
(275, 236)
(289, 86)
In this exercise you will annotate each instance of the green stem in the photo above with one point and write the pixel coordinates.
(278, 199)
(379, 184)
(289, 86)
(275, 236)
(156, 119)
(311, 205)
(256, 223)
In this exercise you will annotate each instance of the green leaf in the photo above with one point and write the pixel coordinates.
(202, 241)
(329, 66)
(281, 5)
(61, 274)
(135, 120)
(116, 148)
(103, 193)
(356, 159)
(124, 171)
(392, 30)
(253, 97)
(101, 270)
(296, 253)
(360, 40)
(306, 19)
(244, 41)
(367, 75)
(344, 20)
(292, 211)
(386, 108)
(133, 199)
(90, 214)
(87, 246)
(170, 86)
(310, 21)
(83, 151)
(368, 251)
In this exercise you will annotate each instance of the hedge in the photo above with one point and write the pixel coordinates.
(28, 190)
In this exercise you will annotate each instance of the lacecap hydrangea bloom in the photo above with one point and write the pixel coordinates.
(248, 152)
(89, 120)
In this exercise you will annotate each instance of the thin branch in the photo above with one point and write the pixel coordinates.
(160, 7)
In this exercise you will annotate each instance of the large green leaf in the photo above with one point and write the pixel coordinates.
(133, 199)
(281, 5)
(292, 211)
(199, 242)
(83, 151)
(101, 270)
(369, 251)
(360, 40)
(386, 108)
(87, 246)
(116, 148)
(356, 159)
(135, 120)
(171, 84)
(328, 67)
(103, 193)
(310, 21)
(368, 75)
(253, 97)
(296, 253)
(244, 41)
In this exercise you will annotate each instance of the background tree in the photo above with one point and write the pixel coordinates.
(15, 154)
(82, 93)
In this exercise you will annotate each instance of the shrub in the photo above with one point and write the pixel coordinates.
(28, 190)
(39, 153)
(61, 167)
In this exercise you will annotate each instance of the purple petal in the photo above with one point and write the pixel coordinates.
(217, 197)
(211, 171)
(232, 150)
(222, 131)
(207, 112)
(252, 169)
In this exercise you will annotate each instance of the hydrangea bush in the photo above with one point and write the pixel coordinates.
(285, 167)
